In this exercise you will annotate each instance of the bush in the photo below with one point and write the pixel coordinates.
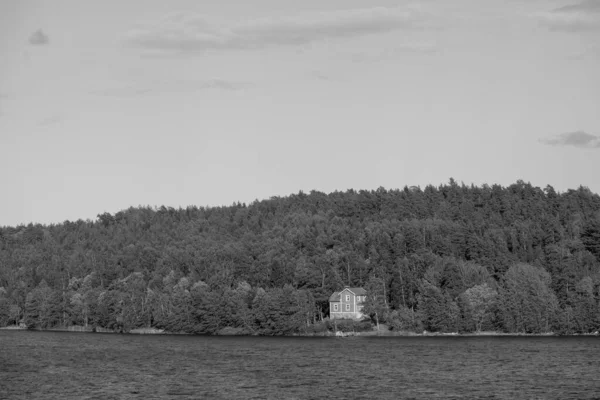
(363, 326)
(349, 325)
(405, 319)
(320, 327)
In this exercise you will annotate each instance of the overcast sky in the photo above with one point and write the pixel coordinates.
(113, 103)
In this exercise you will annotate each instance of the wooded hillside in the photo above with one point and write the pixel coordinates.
(447, 258)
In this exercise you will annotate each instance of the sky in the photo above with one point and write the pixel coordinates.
(110, 104)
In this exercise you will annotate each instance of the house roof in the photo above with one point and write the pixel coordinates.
(358, 291)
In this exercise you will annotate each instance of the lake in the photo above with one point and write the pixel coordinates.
(45, 365)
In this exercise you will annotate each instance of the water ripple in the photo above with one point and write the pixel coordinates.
(42, 365)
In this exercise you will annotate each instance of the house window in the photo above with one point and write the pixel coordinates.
(347, 297)
(335, 307)
(347, 307)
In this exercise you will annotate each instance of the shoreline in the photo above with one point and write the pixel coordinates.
(339, 334)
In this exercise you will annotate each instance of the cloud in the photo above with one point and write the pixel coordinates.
(400, 49)
(192, 32)
(579, 139)
(159, 87)
(591, 51)
(39, 38)
(50, 120)
(586, 6)
(584, 16)
(319, 75)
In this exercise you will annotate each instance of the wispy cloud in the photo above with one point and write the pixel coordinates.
(192, 32)
(584, 16)
(585, 6)
(320, 76)
(50, 120)
(591, 51)
(39, 38)
(579, 139)
(161, 87)
(400, 49)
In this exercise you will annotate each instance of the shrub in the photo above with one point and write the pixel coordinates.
(319, 327)
(349, 325)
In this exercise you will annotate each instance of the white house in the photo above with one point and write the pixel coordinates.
(347, 303)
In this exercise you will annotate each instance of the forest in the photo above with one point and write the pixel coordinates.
(452, 258)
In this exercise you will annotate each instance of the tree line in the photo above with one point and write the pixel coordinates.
(443, 259)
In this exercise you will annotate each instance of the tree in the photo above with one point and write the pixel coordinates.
(405, 319)
(526, 301)
(375, 304)
(480, 300)
(583, 314)
(591, 237)
(180, 315)
(42, 307)
(15, 313)
(440, 313)
(4, 310)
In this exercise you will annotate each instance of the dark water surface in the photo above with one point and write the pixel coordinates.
(47, 365)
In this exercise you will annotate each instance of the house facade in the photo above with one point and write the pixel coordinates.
(347, 303)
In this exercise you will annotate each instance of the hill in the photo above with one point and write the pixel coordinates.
(448, 258)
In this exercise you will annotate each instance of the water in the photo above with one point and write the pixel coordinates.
(46, 365)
